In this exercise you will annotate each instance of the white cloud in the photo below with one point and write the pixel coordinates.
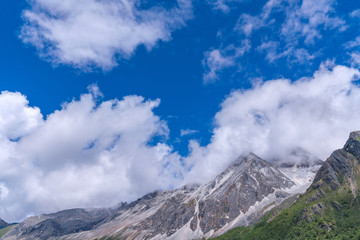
(306, 20)
(315, 114)
(273, 52)
(95, 153)
(91, 33)
(87, 154)
(302, 55)
(17, 118)
(353, 44)
(303, 24)
(223, 5)
(303, 18)
(248, 23)
(186, 132)
(355, 59)
(214, 62)
(218, 59)
(355, 13)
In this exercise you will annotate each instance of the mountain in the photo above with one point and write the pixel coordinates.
(329, 209)
(239, 196)
(5, 227)
(3, 224)
(56, 224)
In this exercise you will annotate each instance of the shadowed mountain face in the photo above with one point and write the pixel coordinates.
(237, 197)
(3, 224)
(57, 224)
(329, 209)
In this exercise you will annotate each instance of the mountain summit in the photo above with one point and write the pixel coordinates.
(239, 196)
(329, 209)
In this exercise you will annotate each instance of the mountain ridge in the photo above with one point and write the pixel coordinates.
(239, 196)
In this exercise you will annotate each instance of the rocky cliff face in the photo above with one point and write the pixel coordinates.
(340, 166)
(238, 196)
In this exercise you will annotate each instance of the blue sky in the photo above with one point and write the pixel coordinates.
(212, 64)
(173, 70)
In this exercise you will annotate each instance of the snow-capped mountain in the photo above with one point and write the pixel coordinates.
(239, 196)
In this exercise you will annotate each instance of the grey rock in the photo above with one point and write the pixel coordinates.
(338, 167)
(252, 181)
(57, 224)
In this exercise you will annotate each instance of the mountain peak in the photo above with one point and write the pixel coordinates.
(355, 135)
(353, 144)
(238, 196)
(340, 165)
(327, 210)
(245, 160)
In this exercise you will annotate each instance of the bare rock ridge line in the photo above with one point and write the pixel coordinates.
(239, 196)
(340, 165)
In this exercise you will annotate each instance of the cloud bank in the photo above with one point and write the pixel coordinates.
(95, 153)
(277, 116)
(16, 117)
(91, 33)
(90, 153)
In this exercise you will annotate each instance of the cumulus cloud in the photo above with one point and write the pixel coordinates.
(277, 116)
(91, 33)
(94, 153)
(216, 60)
(17, 118)
(87, 154)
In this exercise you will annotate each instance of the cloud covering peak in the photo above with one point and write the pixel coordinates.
(277, 116)
(96, 153)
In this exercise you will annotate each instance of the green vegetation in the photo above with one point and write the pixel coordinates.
(337, 219)
(192, 202)
(4, 231)
(320, 213)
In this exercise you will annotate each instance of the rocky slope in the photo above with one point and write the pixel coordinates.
(329, 209)
(239, 196)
